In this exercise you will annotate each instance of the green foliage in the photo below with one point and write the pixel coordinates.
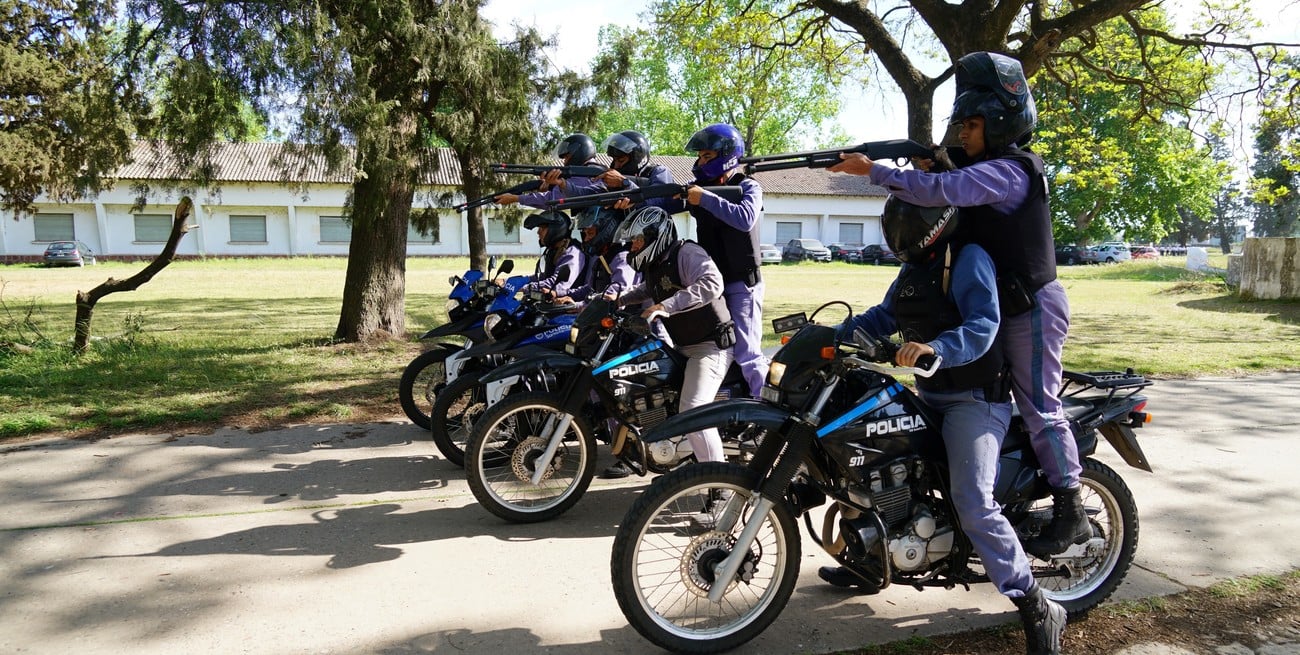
(64, 118)
(1121, 160)
(724, 61)
(1276, 184)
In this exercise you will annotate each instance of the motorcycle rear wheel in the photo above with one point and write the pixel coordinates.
(662, 563)
(503, 447)
(454, 412)
(1113, 514)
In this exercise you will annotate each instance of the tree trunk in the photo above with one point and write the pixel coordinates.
(474, 224)
(374, 290)
(86, 299)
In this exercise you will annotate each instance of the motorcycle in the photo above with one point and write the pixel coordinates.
(426, 375)
(508, 336)
(531, 456)
(841, 429)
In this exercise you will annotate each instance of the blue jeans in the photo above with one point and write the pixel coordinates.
(973, 430)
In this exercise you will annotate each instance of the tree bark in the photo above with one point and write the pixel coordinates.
(374, 289)
(86, 299)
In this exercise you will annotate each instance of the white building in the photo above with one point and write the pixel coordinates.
(254, 211)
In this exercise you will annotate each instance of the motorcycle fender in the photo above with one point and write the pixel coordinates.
(496, 389)
(1124, 442)
(454, 327)
(716, 415)
(448, 350)
(556, 361)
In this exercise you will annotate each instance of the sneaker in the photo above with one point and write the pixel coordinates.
(620, 469)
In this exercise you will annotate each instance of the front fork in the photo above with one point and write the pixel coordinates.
(574, 395)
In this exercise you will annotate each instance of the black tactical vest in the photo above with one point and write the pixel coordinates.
(1020, 242)
(736, 253)
(924, 310)
(662, 280)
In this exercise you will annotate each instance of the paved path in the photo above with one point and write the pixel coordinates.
(359, 538)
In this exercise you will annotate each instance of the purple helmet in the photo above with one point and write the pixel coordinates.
(724, 139)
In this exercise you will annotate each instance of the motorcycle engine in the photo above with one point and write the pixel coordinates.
(915, 538)
(668, 452)
(651, 408)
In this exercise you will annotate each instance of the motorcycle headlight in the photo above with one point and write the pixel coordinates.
(489, 323)
(573, 335)
(452, 304)
(775, 372)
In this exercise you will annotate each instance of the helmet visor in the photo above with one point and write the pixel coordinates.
(619, 145)
(705, 140)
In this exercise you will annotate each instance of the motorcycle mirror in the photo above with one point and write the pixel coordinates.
(506, 266)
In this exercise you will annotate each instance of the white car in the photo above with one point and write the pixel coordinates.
(769, 254)
(1108, 253)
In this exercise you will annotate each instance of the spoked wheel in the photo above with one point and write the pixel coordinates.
(1089, 573)
(505, 447)
(421, 381)
(666, 551)
(455, 410)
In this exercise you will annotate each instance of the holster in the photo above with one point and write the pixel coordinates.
(725, 335)
(1014, 296)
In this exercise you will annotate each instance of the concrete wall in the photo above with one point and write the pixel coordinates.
(1270, 268)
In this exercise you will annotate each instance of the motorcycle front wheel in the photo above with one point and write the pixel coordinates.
(664, 558)
(1094, 570)
(454, 413)
(421, 381)
(502, 454)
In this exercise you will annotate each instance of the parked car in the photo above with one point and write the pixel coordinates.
(837, 251)
(805, 249)
(1107, 253)
(1069, 255)
(68, 253)
(769, 254)
(852, 254)
(1144, 252)
(878, 253)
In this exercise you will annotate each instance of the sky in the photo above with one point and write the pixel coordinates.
(864, 117)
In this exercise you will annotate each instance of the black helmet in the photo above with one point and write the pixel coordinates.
(558, 226)
(994, 86)
(913, 232)
(579, 148)
(630, 144)
(606, 222)
(655, 227)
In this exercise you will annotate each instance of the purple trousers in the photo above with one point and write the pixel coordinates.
(746, 307)
(1033, 342)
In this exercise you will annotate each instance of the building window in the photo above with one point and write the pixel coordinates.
(787, 231)
(152, 228)
(54, 227)
(851, 234)
(497, 232)
(333, 229)
(415, 236)
(248, 229)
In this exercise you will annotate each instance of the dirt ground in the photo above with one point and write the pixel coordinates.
(1251, 612)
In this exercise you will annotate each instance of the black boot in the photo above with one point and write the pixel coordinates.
(1044, 622)
(842, 577)
(1069, 525)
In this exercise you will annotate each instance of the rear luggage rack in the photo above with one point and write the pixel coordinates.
(1102, 380)
(1114, 383)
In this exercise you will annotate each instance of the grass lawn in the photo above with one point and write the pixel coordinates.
(248, 342)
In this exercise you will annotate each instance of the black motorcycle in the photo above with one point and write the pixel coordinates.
(532, 455)
(846, 431)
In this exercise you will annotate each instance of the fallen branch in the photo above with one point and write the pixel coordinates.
(86, 299)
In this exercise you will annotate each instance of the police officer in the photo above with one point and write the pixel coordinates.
(944, 303)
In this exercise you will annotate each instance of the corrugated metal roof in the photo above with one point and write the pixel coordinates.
(284, 163)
